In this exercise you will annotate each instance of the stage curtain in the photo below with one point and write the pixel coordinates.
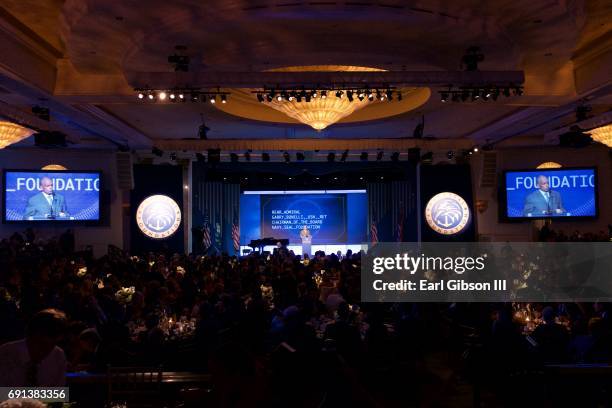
(392, 204)
(220, 203)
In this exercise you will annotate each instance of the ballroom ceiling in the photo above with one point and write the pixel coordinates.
(80, 58)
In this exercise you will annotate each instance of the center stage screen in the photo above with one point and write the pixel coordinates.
(332, 217)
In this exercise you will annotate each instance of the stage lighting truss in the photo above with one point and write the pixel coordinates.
(309, 93)
(479, 93)
(179, 95)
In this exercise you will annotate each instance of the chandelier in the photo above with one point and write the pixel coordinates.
(319, 111)
(12, 133)
(602, 135)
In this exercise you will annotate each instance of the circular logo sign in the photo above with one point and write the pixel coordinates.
(158, 216)
(447, 213)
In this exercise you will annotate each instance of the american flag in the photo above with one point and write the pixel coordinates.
(206, 238)
(373, 231)
(236, 232)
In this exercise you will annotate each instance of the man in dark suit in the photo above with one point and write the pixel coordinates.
(46, 204)
(543, 201)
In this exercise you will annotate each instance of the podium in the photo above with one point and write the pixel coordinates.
(306, 245)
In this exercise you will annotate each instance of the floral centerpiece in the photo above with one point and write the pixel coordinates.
(124, 295)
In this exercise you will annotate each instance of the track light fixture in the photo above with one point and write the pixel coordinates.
(178, 95)
(485, 93)
(305, 94)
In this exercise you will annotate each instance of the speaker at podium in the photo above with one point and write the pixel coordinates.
(306, 240)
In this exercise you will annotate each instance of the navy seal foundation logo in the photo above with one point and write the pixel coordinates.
(158, 216)
(447, 213)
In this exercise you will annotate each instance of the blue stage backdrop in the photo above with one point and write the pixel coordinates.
(574, 191)
(332, 218)
(80, 193)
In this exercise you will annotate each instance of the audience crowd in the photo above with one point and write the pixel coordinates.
(278, 325)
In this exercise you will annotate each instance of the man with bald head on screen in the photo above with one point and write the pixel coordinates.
(543, 201)
(47, 204)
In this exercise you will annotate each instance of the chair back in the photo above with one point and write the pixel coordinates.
(137, 385)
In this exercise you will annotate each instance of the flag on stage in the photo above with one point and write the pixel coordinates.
(236, 232)
(373, 231)
(206, 238)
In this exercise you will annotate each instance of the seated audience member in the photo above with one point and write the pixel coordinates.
(552, 338)
(36, 361)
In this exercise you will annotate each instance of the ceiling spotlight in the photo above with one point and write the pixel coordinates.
(506, 92)
(399, 96)
(487, 94)
(265, 157)
(299, 156)
(389, 94)
(223, 99)
(443, 96)
(363, 156)
(140, 95)
(495, 94)
(339, 94)
(172, 96)
(151, 96)
(287, 157)
(475, 94)
(247, 156)
(181, 96)
(344, 155)
(314, 93)
(450, 154)
(270, 97)
(456, 97)
(465, 94)
(361, 96)
(162, 96)
(331, 156)
(157, 151)
(213, 99)
(234, 158)
(371, 97)
(203, 131)
(323, 94)
(195, 97)
(475, 149)
(518, 91)
(427, 158)
(291, 97)
(395, 156)
(308, 97)
(298, 97)
(379, 155)
(349, 95)
(260, 98)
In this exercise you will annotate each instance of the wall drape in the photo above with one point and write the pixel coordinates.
(391, 205)
(219, 203)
